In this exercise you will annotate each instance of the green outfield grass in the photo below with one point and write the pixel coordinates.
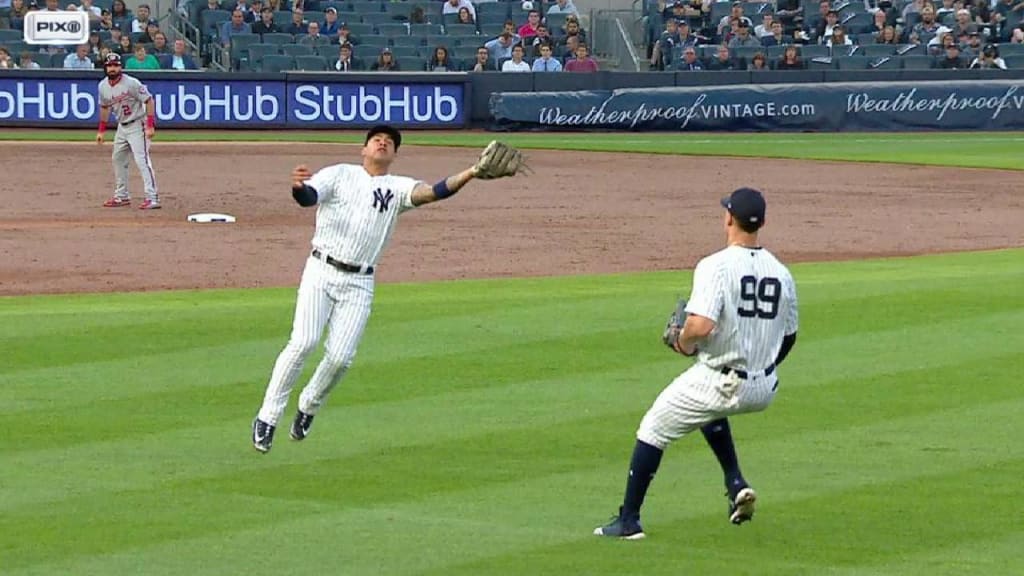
(486, 427)
(970, 149)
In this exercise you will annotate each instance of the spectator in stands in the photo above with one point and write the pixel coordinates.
(563, 7)
(1017, 36)
(26, 61)
(686, 36)
(441, 61)
(989, 58)
(776, 38)
(79, 59)
(529, 29)
(516, 63)
(385, 62)
(510, 27)
(723, 60)
(266, 25)
(141, 19)
(417, 16)
(790, 60)
(501, 47)
(972, 47)
(743, 36)
(255, 9)
(938, 48)
(483, 60)
(465, 16)
(274, 5)
(823, 32)
(543, 38)
(928, 28)
(945, 8)
(147, 37)
(234, 26)
(345, 36)
(758, 62)
(912, 7)
(51, 6)
(94, 12)
(790, 13)
(160, 45)
(572, 28)
(582, 62)
(661, 56)
(952, 60)
(179, 59)
(124, 45)
(120, 15)
(330, 26)
(141, 60)
(452, 7)
(546, 63)
(689, 60)
(106, 23)
(963, 23)
(95, 45)
(298, 26)
(888, 36)
(567, 51)
(839, 37)
(313, 36)
(735, 14)
(242, 6)
(209, 5)
(878, 23)
(6, 62)
(764, 29)
(346, 62)
(981, 12)
(17, 16)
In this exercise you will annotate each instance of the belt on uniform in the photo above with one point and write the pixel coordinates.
(743, 374)
(130, 122)
(343, 266)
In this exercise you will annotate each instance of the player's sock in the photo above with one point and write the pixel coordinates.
(719, 437)
(642, 467)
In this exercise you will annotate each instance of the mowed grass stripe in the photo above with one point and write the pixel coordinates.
(972, 149)
(465, 494)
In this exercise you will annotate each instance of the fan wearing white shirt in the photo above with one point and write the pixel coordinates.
(516, 64)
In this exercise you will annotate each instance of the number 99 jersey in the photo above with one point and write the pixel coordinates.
(751, 297)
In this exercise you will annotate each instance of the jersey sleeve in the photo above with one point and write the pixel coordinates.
(706, 297)
(140, 91)
(102, 95)
(405, 187)
(793, 314)
(325, 182)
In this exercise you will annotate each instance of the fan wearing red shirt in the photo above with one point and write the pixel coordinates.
(582, 62)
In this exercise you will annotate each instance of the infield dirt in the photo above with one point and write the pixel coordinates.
(581, 212)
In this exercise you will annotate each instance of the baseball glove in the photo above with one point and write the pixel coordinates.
(499, 160)
(675, 325)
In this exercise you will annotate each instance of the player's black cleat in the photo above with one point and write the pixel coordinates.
(741, 506)
(301, 425)
(262, 435)
(622, 527)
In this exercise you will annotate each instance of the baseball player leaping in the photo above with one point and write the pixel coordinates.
(358, 206)
(740, 322)
(133, 105)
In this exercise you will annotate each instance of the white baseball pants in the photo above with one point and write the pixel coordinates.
(131, 141)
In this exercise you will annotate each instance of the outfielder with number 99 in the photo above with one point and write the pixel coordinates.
(740, 322)
(358, 207)
(132, 104)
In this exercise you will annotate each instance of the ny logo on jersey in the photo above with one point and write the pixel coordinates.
(382, 199)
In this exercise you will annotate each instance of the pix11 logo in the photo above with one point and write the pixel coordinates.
(42, 27)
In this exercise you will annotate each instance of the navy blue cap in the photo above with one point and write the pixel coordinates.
(746, 205)
(396, 136)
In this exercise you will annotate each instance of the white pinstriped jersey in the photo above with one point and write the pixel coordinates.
(357, 212)
(127, 99)
(751, 297)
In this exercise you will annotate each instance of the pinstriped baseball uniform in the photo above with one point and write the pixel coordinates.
(751, 297)
(127, 100)
(355, 218)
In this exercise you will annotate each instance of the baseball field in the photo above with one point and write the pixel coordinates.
(486, 425)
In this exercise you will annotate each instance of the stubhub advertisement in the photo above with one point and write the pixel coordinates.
(208, 103)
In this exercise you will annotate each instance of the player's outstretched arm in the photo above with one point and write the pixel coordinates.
(425, 194)
(695, 329)
(498, 160)
(303, 193)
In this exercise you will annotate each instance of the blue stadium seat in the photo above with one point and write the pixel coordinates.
(426, 29)
(393, 29)
(360, 29)
(311, 63)
(917, 62)
(1014, 62)
(877, 50)
(881, 63)
(257, 52)
(412, 64)
(277, 63)
(407, 40)
(399, 11)
(852, 62)
(819, 63)
(460, 29)
(7, 36)
(277, 38)
(375, 41)
(378, 19)
(295, 50)
(406, 51)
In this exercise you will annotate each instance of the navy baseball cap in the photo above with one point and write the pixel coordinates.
(396, 136)
(746, 205)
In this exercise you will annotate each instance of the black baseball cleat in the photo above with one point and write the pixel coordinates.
(301, 425)
(741, 506)
(262, 435)
(622, 527)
